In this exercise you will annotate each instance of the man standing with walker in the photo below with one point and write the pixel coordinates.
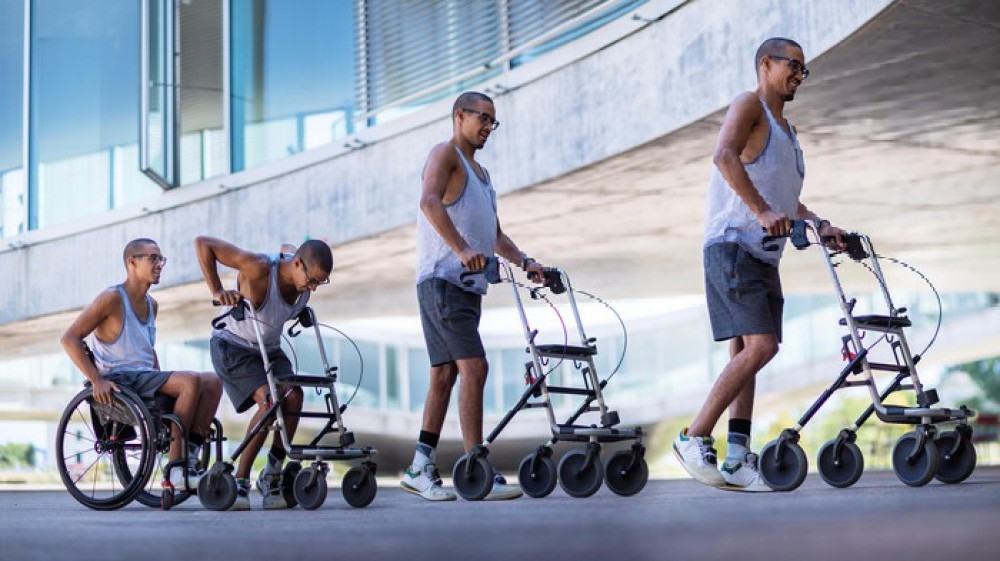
(457, 229)
(753, 192)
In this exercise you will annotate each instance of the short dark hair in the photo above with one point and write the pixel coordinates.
(135, 246)
(468, 98)
(772, 46)
(317, 254)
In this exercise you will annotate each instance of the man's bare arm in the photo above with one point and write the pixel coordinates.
(212, 251)
(72, 342)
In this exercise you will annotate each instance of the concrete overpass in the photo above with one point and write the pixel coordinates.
(603, 163)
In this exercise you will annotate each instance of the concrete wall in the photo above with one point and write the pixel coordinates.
(668, 73)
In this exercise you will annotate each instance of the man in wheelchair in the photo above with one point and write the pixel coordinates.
(120, 325)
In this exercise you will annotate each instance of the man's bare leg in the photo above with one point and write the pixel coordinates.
(470, 399)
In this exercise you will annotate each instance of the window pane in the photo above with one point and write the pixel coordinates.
(292, 77)
(84, 109)
(12, 196)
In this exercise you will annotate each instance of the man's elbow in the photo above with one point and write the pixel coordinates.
(724, 156)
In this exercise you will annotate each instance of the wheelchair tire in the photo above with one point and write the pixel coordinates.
(359, 486)
(89, 436)
(538, 477)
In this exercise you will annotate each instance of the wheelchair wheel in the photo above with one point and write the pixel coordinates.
(621, 478)
(288, 476)
(578, 477)
(537, 475)
(843, 469)
(919, 470)
(217, 488)
(152, 494)
(785, 472)
(473, 477)
(310, 494)
(90, 436)
(359, 486)
(954, 467)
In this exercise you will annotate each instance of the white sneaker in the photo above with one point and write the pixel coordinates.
(426, 483)
(270, 486)
(697, 457)
(177, 479)
(502, 491)
(744, 475)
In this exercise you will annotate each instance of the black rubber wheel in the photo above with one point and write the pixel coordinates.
(787, 472)
(92, 440)
(288, 476)
(578, 477)
(359, 487)
(622, 480)
(151, 494)
(920, 470)
(538, 482)
(477, 483)
(217, 491)
(843, 470)
(954, 468)
(310, 497)
(166, 499)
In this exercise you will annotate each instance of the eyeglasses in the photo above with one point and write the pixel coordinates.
(484, 118)
(311, 281)
(154, 258)
(796, 66)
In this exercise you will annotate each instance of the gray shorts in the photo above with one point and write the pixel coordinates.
(743, 293)
(144, 383)
(450, 318)
(241, 370)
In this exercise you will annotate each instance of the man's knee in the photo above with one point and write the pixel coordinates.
(761, 348)
(443, 377)
(474, 370)
(181, 384)
(293, 397)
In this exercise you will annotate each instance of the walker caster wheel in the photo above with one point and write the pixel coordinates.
(957, 457)
(288, 476)
(310, 491)
(840, 468)
(624, 475)
(579, 477)
(914, 466)
(783, 465)
(537, 475)
(217, 491)
(473, 477)
(359, 486)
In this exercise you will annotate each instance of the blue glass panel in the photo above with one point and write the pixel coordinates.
(83, 147)
(292, 73)
(12, 195)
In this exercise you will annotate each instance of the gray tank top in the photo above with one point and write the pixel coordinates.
(777, 173)
(271, 315)
(474, 214)
(133, 349)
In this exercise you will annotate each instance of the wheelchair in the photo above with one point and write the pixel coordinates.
(111, 455)
(925, 453)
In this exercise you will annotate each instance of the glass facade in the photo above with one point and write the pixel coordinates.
(108, 102)
(292, 72)
(13, 198)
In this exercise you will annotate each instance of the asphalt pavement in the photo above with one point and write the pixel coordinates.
(878, 518)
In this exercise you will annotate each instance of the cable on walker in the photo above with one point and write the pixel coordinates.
(927, 452)
(580, 472)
